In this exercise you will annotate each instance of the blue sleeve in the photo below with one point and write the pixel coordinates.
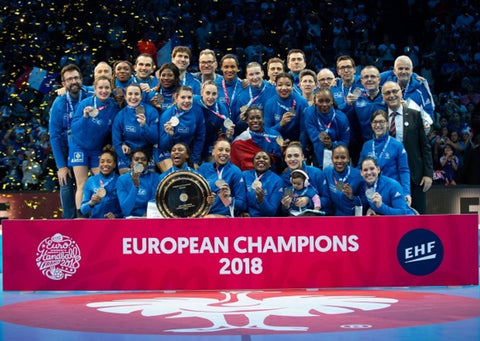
(344, 132)
(117, 133)
(199, 138)
(165, 142)
(240, 192)
(57, 132)
(150, 129)
(127, 194)
(404, 171)
(269, 206)
(87, 195)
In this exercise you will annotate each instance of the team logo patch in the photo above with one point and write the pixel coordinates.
(241, 312)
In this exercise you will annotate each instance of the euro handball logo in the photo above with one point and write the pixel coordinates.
(420, 252)
(58, 257)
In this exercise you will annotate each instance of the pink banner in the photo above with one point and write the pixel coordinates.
(240, 253)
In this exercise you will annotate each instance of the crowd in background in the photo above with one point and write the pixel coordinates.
(442, 38)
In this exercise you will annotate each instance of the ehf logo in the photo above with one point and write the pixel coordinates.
(58, 257)
(420, 252)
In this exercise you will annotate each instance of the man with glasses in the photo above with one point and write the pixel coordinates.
(406, 125)
(345, 87)
(61, 114)
(362, 108)
(207, 64)
(325, 78)
(414, 88)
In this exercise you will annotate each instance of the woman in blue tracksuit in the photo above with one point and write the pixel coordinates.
(215, 115)
(137, 187)
(135, 126)
(381, 194)
(169, 81)
(100, 192)
(284, 111)
(344, 183)
(295, 159)
(389, 152)
(225, 180)
(264, 187)
(326, 126)
(90, 131)
(182, 122)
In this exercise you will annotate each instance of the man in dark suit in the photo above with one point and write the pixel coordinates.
(406, 125)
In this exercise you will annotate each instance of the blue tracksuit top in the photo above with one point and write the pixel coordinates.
(272, 184)
(59, 125)
(393, 198)
(127, 130)
(391, 157)
(340, 92)
(417, 91)
(190, 130)
(233, 176)
(214, 117)
(274, 109)
(134, 201)
(335, 123)
(167, 97)
(91, 133)
(109, 203)
(363, 108)
(228, 91)
(316, 179)
(341, 204)
(253, 97)
(191, 81)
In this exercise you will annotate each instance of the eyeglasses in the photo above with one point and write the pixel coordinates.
(72, 79)
(207, 62)
(345, 67)
(381, 122)
(390, 92)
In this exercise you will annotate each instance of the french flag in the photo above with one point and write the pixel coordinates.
(38, 79)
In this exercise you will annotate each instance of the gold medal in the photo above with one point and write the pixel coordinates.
(322, 135)
(279, 140)
(101, 192)
(256, 184)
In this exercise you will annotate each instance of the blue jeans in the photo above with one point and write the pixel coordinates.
(67, 198)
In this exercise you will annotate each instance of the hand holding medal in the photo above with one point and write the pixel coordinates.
(140, 113)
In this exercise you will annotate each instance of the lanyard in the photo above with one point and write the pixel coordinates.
(344, 179)
(294, 104)
(265, 136)
(322, 126)
(383, 150)
(95, 104)
(225, 92)
(103, 185)
(216, 111)
(252, 100)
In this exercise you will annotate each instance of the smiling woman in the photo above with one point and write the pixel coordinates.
(264, 187)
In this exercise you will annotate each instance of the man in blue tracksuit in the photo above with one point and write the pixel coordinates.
(61, 114)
